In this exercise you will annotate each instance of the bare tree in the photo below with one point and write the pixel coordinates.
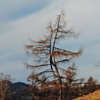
(90, 85)
(5, 82)
(47, 55)
(34, 81)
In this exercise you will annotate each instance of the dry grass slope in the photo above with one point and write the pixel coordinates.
(93, 96)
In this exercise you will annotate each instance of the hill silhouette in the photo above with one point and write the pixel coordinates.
(18, 91)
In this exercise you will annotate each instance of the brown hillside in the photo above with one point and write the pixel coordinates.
(93, 96)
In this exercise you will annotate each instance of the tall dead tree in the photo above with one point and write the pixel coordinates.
(47, 55)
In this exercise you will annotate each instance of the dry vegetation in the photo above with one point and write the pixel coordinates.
(5, 81)
(92, 96)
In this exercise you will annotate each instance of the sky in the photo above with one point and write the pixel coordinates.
(20, 20)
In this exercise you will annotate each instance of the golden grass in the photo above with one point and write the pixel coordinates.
(92, 96)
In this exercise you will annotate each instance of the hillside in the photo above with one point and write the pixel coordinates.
(93, 96)
(21, 89)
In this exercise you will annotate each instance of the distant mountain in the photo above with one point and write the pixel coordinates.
(19, 91)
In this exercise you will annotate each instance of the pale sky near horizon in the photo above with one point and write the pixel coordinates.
(22, 19)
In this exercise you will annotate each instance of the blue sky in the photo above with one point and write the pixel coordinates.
(22, 19)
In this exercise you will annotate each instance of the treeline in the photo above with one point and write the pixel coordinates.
(48, 90)
(71, 87)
